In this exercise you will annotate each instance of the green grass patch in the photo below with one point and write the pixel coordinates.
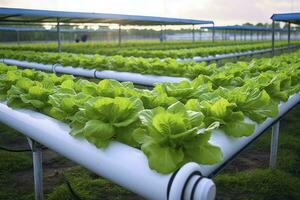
(259, 185)
(9, 164)
(87, 187)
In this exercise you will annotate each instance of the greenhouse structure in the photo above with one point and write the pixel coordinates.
(159, 120)
(43, 16)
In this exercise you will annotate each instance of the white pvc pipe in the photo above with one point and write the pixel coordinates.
(148, 80)
(119, 163)
(137, 78)
(230, 146)
(229, 55)
(75, 71)
(30, 65)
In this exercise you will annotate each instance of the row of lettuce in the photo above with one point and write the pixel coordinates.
(153, 66)
(173, 53)
(156, 66)
(180, 53)
(172, 123)
(92, 47)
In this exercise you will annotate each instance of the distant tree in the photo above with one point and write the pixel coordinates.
(260, 24)
(247, 24)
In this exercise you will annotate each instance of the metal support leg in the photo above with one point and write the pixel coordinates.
(274, 145)
(200, 34)
(18, 37)
(193, 33)
(165, 33)
(58, 36)
(273, 38)
(234, 35)
(289, 37)
(161, 39)
(213, 33)
(120, 35)
(37, 169)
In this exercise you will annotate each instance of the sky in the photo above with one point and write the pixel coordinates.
(223, 12)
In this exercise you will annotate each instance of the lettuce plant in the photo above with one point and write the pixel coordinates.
(175, 136)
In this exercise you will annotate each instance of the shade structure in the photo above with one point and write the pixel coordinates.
(18, 29)
(287, 17)
(46, 16)
(243, 28)
(284, 17)
(17, 15)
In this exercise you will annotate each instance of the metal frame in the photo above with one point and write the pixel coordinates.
(289, 35)
(18, 37)
(82, 17)
(16, 15)
(120, 35)
(58, 36)
(274, 145)
(37, 168)
(193, 33)
(161, 39)
(213, 33)
(285, 17)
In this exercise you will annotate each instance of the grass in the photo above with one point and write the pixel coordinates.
(87, 187)
(265, 184)
(260, 184)
(10, 165)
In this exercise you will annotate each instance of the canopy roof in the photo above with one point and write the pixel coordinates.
(41, 16)
(2, 28)
(287, 17)
(244, 28)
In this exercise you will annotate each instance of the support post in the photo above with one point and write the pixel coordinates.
(161, 34)
(58, 36)
(200, 34)
(289, 37)
(213, 33)
(280, 34)
(165, 33)
(37, 169)
(46, 37)
(241, 35)
(18, 37)
(222, 35)
(274, 145)
(120, 35)
(234, 35)
(193, 32)
(273, 38)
